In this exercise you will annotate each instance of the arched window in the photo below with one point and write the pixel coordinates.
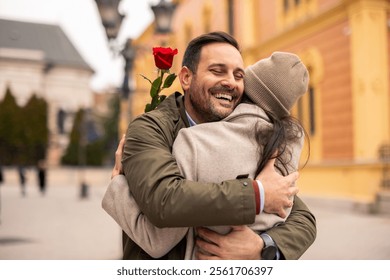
(308, 108)
(307, 111)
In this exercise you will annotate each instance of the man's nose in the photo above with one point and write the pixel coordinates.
(229, 82)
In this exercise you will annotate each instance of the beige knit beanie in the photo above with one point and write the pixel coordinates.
(276, 83)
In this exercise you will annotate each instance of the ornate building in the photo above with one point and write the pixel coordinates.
(345, 45)
(40, 59)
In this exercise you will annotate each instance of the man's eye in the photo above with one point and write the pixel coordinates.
(216, 71)
(239, 76)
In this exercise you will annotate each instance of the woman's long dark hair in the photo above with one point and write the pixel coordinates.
(274, 140)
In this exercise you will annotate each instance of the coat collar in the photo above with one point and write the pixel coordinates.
(174, 104)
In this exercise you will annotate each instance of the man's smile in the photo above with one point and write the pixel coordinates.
(224, 96)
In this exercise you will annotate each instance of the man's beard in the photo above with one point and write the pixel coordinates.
(206, 109)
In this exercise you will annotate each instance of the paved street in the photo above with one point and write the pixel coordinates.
(345, 234)
(61, 225)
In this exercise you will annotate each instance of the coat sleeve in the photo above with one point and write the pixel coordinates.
(296, 235)
(155, 241)
(162, 193)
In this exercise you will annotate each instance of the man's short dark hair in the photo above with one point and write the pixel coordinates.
(192, 54)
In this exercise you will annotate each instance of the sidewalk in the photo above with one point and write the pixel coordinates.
(58, 225)
(61, 225)
(347, 234)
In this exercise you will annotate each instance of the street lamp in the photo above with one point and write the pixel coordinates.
(163, 13)
(111, 18)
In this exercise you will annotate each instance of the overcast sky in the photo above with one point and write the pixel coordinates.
(80, 20)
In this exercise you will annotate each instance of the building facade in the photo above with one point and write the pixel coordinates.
(344, 44)
(39, 59)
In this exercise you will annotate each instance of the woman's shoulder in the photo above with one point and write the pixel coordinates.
(246, 110)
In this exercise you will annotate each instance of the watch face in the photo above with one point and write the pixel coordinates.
(268, 253)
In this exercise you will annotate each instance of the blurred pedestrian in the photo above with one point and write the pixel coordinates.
(22, 179)
(41, 173)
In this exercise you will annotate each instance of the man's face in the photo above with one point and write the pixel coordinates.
(216, 88)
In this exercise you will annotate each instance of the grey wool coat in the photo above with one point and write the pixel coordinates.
(292, 236)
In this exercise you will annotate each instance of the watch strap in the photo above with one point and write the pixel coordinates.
(270, 250)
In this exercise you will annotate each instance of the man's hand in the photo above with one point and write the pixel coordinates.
(241, 243)
(278, 189)
(118, 158)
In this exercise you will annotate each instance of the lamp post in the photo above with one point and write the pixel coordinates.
(112, 20)
(163, 13)
(129, 53)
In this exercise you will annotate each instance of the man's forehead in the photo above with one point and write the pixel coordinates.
(221, 54)
(219, 47)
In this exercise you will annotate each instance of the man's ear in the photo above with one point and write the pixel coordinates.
(185, 77)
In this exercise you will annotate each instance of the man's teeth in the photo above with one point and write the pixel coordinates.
(224, 96)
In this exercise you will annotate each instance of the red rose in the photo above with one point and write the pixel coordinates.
(163, 57)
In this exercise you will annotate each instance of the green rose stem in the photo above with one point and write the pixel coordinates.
(156, 88)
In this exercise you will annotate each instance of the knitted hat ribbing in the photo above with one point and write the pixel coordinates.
(276, 83)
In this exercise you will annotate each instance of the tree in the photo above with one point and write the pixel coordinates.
(23, 131)
(85, 146)
(110, 125)
(71, 156)
(11, 131)
(36, 130)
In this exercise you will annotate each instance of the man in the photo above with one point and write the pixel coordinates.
(212, 80)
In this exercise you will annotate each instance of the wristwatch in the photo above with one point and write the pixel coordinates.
(269, 249)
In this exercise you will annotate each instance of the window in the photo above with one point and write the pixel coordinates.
(309, 107)
(291, 5)
(286, 5)
(306, 111)
(292, 11)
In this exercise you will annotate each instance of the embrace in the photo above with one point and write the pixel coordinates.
(211, 174)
